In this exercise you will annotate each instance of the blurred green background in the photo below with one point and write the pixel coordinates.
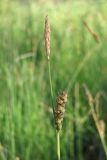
(26, 121)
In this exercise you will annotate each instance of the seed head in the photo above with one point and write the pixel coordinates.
(101, 126)
(60, 110)
(47, 37)
(94, 34)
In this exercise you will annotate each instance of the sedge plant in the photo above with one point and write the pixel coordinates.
(59, 110)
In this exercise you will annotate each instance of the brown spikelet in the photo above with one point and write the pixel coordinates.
(101, 127)
(94, 34)
(60, 109)
(47, 37)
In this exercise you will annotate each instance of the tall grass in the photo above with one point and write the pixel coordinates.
(26, 129)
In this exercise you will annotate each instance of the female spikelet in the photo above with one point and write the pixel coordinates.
(60, 110)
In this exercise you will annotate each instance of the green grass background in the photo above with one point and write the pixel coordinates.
(26, 120)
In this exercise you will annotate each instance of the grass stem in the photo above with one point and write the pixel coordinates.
(52, 100)
(58, 145)
(51, 87)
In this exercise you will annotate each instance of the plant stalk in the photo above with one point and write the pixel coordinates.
(58, 145)
(51, 90)
(51, 87)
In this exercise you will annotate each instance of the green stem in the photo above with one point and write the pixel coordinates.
(58, 145)
(51, 87)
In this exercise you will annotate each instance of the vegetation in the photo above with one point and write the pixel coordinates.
(77, 60)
